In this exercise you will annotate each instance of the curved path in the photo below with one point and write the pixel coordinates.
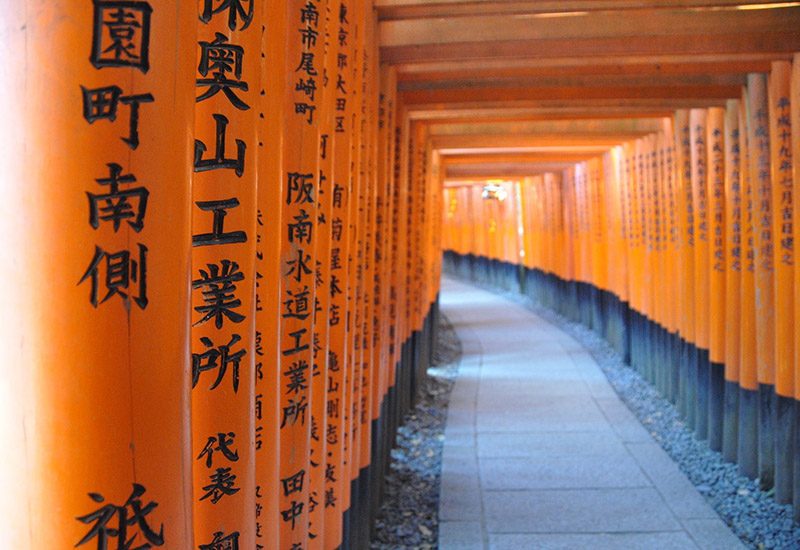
(540, 453)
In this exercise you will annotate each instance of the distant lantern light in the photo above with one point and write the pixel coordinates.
(494, 191)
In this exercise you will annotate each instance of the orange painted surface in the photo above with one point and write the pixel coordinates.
(715, 152)
(320, 380)
(780, 133)
(795, 122)
(301, 187)
(686, 220)
(223, 279)
(699, 183)
(270, 232)
(107, 411)
(733, 239)
(748, 370)
(763, 243)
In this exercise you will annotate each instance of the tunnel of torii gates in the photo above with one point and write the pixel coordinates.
(223, 225)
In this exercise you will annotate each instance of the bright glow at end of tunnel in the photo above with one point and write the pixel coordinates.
(552, 15)
(770, 6)
(494, 190)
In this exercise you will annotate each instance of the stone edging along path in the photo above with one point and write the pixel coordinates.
(409, 515)
(752, 514)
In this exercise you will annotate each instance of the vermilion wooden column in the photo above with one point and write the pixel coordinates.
(780, 131)
(747, 450)
(700, 277)
(224, 213)
(337, 485)
(320, 532)
(269, 302)
(672, 268)
(103, 133)
(763, 246)
(687, 295)
(733, 276)
(715, 147)
(795, 122)
(355, 275)
(302, 97)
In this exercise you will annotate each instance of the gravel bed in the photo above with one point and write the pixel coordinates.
(752, 514)
(409, 516)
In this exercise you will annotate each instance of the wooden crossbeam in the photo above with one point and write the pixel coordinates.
(505, 170)
(596, 26)
(417, 9)
(466, 95)
(506, 141)
(578, 47)
(724, 63)
(586, 127)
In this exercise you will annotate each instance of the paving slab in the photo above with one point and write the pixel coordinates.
(577, 511)
(560, 472)
(534, 445)
(539, 452)
(675, 540)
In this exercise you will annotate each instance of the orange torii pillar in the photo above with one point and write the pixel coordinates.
(761, 186)
(747, 450)
(319, 527)
(715, 132)
(794, 112)
(301, 186)
(700, 277)
(96, 181)
(269, 234)
(688, 368)
(783, 274)
(733, 274)
(357, 220)
(223, 276)
(672, 269)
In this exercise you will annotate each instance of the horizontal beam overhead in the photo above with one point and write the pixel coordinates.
(467, 95)
(573, 81)
(593, 26)
(506, 141)
(581, 47)
(585, 127)
(505, 170)
(518, 158)
(416, 9)
(601, 65)
(517, 87)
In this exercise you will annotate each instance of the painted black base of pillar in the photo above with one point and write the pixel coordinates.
(784, 421)
(691, 387)
(716, 405)
(701, 403)
(747, 449)
(766, 436)
(730, 423)
(796, 462)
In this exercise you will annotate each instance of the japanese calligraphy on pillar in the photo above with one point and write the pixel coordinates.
(782, 177)
(223, 273)
(761, 183)
(117, 200)
(783, 278)
(337, 285)
(133, 213)
(734, 192)
(717, 194)
(298, 265)
(120, 38)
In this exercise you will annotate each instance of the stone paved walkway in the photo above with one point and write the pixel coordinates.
(540, 453)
